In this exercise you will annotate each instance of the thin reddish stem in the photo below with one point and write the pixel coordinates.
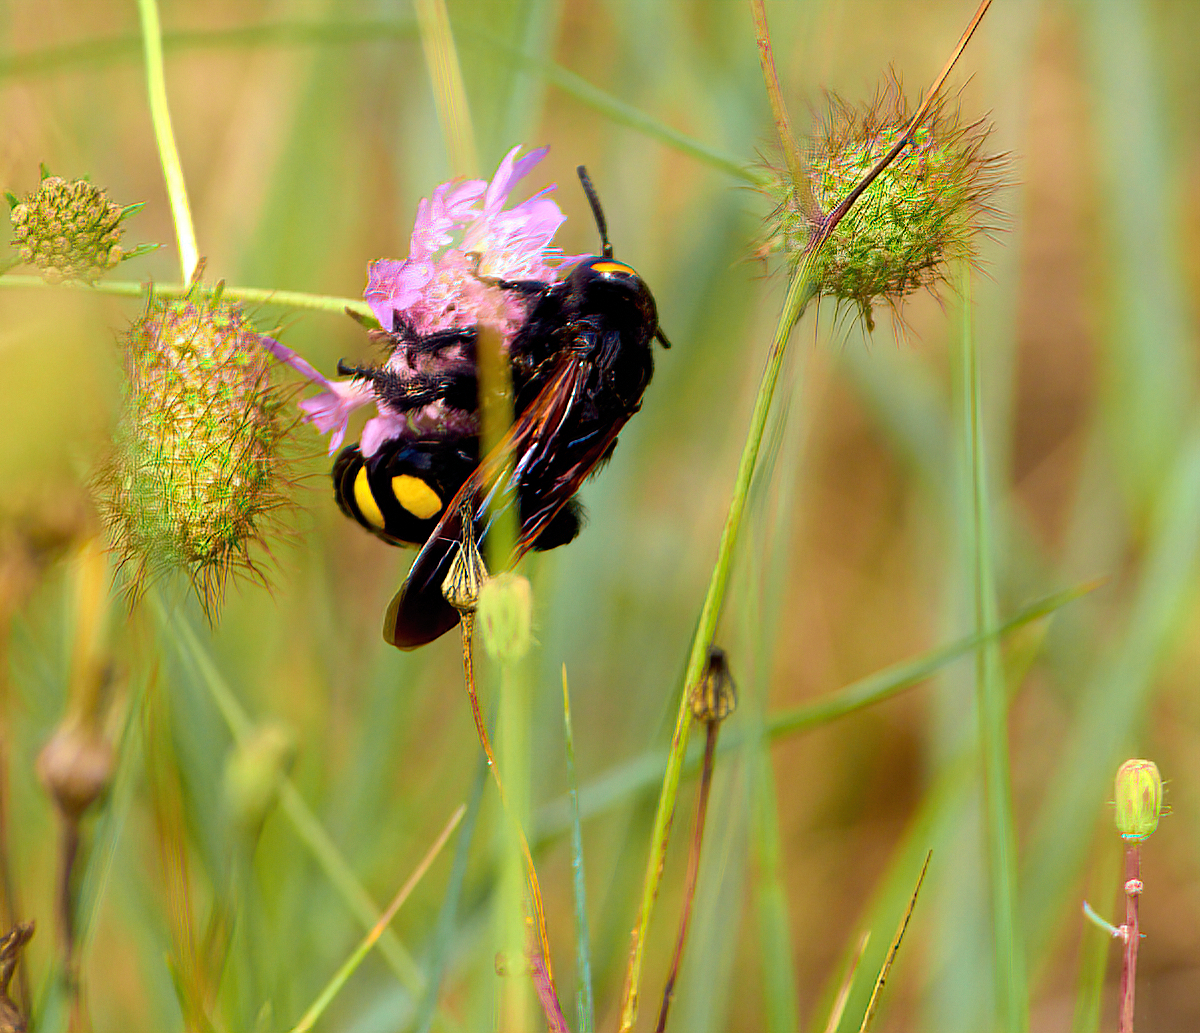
(693, 872)
(1133, 890)
(535, 891)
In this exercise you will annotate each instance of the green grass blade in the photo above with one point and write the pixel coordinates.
(332, 988)
(1012, 993)
(443, 935)
(644, 771)
(583, 950)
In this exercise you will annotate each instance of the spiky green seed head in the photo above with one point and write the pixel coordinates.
(918, 217)
(69, 230)
(196, 473)
(505, 614)
(1139, 799)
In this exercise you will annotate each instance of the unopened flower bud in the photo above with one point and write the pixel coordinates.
(505, 614)
(1139, 799)
(715, 696)
(75, 767)
(254, 771)
(70, 230)
(197, 470)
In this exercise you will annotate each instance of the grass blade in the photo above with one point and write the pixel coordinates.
(893, 950)
(992, 706)
(335, 984)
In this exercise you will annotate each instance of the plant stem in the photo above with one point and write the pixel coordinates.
(449, 92)
(254, 295)
(164, 137)
(1133, 890)
(693, 872)
(583, 953)
(801, 290)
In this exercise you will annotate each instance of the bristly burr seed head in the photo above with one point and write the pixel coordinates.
(196, 471)
(69, 230)
(915, 219)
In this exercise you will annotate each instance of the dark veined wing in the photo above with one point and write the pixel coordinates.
(553, 446)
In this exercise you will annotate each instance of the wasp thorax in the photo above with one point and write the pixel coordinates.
(197, 468)
(916, 218)
(69, 230)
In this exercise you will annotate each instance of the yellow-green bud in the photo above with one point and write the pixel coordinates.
(505, 614)
(1139, 799)
(197, 471)
(254, 771)
(69, 230)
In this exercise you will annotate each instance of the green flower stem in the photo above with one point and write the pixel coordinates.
(583, 950)
(348, 968)
(164, 137)
(801, 291)
(992, 705)
(253, 295)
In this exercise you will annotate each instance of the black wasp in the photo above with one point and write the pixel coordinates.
(580, 363)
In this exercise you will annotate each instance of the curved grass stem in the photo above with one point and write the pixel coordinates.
(164, 138)
(801, 290)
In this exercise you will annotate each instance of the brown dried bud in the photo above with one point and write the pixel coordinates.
(715, 696)
(75, 767)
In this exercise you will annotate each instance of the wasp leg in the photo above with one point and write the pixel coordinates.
(414, 390)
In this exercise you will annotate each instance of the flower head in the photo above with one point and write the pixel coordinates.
(916, 217)
(1139, 799)
(69, 229)
(197, 470)
(463, 239)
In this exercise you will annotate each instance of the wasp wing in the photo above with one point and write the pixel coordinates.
(542, 460)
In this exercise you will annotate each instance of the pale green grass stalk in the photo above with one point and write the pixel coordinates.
(1095, 944)
(164, 138)
(348, 967)
(449, 93)
(583, 949)
(1012, 992)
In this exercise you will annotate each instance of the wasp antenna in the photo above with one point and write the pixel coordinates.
(597, 211)
(662, 338)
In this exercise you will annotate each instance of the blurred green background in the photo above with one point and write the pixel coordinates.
(308, 132)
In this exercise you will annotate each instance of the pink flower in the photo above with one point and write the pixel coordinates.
(462, 235)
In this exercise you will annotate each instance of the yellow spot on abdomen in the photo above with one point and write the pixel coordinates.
(365, 501)
(613, 267)
(416, 496)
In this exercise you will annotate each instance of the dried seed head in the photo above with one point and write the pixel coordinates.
(69, 229)
(714, 697)
(467, 575)
(197, 470)
(1139, 799)
(505, 613)
(917, 217)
